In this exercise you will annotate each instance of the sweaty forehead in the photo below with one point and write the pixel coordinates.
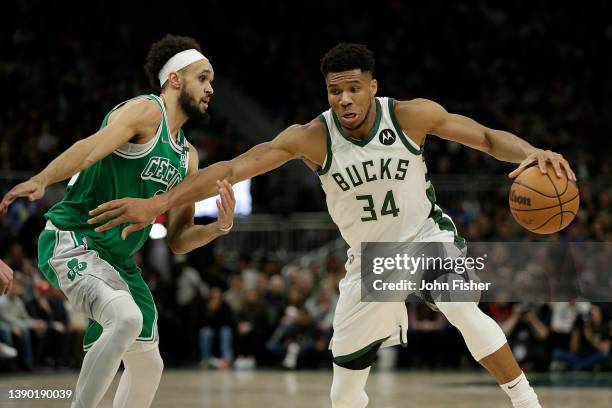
(352, 76)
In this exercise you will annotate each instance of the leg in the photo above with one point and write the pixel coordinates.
(350, 376)
(348, 388)
(588, 362)
(27, 356)
(227, 348)
(143, 370)
(121, 320)
(206, 342)
(487, 344)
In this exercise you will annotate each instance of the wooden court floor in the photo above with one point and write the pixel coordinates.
(307, 389)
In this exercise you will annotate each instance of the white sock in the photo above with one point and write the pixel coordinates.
(140, 379)
(121, 320)
(348, 388)
(520, 392)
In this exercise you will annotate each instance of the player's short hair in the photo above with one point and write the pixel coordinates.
(347, 56)
(164, 49)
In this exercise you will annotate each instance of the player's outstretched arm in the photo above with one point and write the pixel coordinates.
(6, 277)
(297, 141)
(183, 234)
(425, 116)
(129, 121)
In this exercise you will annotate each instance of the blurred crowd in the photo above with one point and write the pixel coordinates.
(247, 314)
(537, 72)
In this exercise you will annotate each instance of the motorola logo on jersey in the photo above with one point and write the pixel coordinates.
(387, 137)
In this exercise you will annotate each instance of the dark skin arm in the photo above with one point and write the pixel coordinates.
(417, 117)
(183, 234)
(297, 141)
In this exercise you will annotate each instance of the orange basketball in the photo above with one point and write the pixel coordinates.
(543, 203)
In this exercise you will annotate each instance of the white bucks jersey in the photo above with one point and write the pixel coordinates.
(376, 188)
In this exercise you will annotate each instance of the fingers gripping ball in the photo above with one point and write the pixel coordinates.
(543, 203)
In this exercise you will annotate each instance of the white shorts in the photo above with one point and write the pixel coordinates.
(358, 324)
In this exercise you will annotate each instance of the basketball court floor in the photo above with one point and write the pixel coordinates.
(308, 389)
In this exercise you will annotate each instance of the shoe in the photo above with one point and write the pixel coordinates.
(290, 361)
(7, 352)
(245, 363)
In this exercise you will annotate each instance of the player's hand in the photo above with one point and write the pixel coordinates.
(32, 189)
(225, 204)
(6, 278)
(541, 157)
(138, 212)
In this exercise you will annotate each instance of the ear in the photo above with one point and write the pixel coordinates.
(174, 80)
(374, 86)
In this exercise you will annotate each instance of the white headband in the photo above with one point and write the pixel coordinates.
(179, 61)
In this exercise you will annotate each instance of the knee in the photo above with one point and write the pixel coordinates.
(156, 364)
(129, 324)
(458, 313)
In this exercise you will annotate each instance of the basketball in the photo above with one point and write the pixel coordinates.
(543, 203)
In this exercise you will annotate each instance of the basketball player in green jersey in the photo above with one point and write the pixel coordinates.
(367, 151)
(140, 151)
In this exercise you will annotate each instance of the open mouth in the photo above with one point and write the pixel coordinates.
(349, 117)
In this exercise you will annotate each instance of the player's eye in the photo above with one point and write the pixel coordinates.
(355, 89)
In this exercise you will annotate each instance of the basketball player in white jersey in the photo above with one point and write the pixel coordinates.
(367, 150)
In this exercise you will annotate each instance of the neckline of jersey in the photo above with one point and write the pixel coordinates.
(176, 144)
(372, 133)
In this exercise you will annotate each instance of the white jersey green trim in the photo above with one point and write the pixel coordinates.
(376, 189)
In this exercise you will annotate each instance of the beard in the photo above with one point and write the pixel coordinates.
(191, 108)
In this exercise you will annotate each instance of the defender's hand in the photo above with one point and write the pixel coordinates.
(33, 189)
(6, 278)
(225, 205)
(138, 212)
(541, 157)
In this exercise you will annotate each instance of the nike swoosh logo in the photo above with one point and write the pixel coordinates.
(514, 385)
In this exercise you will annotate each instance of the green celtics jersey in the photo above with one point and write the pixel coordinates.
(133, 170)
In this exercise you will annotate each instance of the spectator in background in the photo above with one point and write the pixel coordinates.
(275, 298)
(48, 306)
(563, 317)
(247, 271)
(13, 313)
(217, 324)
(526, 327)
(18, 261)
(321, 307)
(251, 331)
(424, 335)
(234, 296)
(191, 290)
(589, 344)
(216, 273)
(297, 340)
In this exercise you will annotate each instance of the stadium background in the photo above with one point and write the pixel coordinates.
(264, 295)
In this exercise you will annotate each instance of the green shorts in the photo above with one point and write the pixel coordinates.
(64, 257)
